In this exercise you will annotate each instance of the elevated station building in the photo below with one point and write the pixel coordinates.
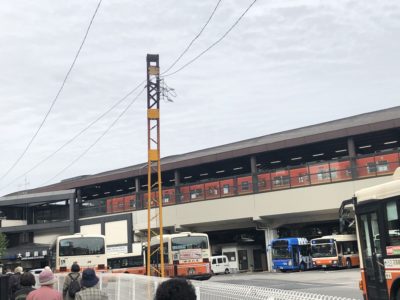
(242, 194)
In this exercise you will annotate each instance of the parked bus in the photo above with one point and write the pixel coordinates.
(186, 254)
(335, 251)
(291, 254)
(377, 215)
(87, 250)
(132, 263)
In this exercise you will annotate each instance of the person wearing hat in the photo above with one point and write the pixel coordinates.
(90, 290)
(46, 291)
(14, 282)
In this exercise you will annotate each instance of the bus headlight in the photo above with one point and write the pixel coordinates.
(334, 262)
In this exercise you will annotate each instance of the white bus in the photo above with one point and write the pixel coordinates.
(335, 251)
(132, 263)
(87, 250)
(186, 254)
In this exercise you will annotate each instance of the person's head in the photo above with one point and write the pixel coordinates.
(175, 289)
(75, 268)
(27, 279)
(89, 278)
(46, 277)
(18, 270)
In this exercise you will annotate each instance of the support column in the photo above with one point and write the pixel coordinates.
(177, 177)
(352, 154)
(253, 166)
(270, 234)
(71, 204)
(139, 204)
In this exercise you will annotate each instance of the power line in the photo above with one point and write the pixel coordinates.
(194, 39)
(98, 139)
(75, 136)
(213, 44)
(55, 98)
(132, 91)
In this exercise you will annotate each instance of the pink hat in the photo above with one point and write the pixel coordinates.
(46, 277)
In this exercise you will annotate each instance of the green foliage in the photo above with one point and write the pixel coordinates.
(3, 243)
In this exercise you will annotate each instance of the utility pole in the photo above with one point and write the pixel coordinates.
(153, 146)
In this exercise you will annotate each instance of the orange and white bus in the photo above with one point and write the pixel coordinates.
(377, 212)
(87, 250)
(335, 251)
(132, 263)
(186, 254)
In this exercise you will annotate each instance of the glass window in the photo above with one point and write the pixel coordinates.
(81, 246)
(166, 198)
(225, 189)
(220, 260)
(382, 166)
(189, 242)
(231, 256)
(245, 186)
(393, 224)
(371, 167)
(224, 259)
(214, 261)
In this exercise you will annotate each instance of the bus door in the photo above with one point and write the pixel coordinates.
(295, 251)
(372, 255)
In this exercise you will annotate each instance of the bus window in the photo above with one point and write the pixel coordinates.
(393, 224)
(87, 246)
(189, 242)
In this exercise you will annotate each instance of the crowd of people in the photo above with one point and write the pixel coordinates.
(83, 286)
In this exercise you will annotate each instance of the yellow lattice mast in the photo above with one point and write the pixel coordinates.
(153, 146)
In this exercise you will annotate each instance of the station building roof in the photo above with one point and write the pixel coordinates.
(386, 119)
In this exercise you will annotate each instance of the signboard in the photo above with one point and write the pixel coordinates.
(117, 249)
(190, 254)
(393, 250)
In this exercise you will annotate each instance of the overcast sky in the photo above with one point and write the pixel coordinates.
(286, 65)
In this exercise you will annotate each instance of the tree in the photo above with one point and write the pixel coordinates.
(3, 243)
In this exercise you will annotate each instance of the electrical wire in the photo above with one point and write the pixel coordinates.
(193, 40)
(132, 91)
(213, 44)
(97, 140)
(75, 136)
(55, 98)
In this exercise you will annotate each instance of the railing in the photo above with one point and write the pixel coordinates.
(128, 286)
(284, 178)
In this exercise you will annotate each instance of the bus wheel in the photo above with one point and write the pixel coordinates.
(348, 263)
(302, 266)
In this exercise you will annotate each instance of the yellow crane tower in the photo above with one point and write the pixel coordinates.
(153, 146)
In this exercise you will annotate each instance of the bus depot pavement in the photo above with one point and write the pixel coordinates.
(342, 283)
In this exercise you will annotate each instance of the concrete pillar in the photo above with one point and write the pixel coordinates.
(270, 234)
(177, 177)
(137, 189)
(71, 203)
(253, 166)
(351, 148)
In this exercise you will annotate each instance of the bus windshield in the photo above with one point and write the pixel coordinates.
(81, 246)
(280, 250)
(323, 250)
(189, 242)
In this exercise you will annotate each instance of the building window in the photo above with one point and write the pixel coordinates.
(382, 166)
(225, 189)
(371, 167)
(245, 186)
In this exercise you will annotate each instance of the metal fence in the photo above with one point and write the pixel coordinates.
(128, 286)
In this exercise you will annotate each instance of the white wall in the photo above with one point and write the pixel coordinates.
(91, 229)
(48, 236)
(9, 223)
(116, 232)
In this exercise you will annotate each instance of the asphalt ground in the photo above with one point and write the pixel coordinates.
(342, 283)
